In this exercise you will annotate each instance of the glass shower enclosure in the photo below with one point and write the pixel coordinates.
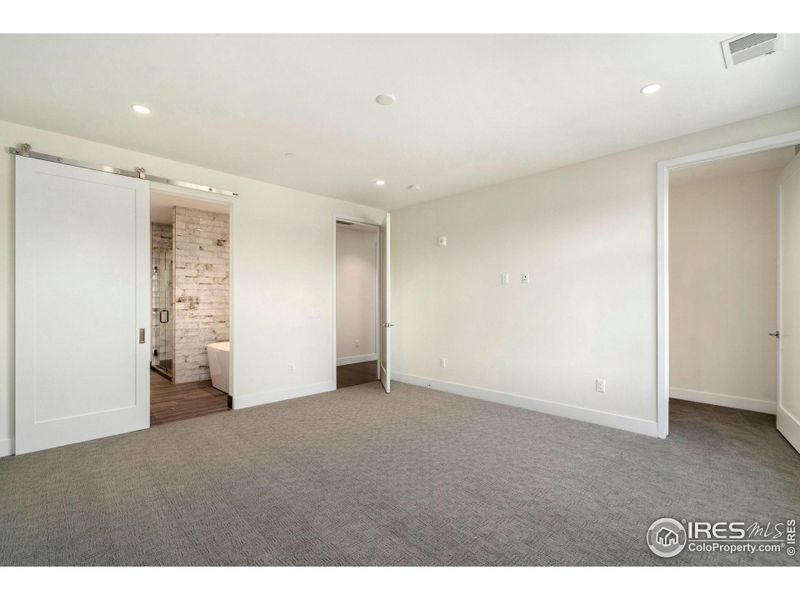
(161, 320)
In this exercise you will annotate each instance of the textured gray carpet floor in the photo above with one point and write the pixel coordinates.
(356, 477)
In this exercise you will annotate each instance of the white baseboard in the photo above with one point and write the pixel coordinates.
(6, 447)
(249, 400)
(559, 409)
(762, 406)
(358, 358)
(789, 426)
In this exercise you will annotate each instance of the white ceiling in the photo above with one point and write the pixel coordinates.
(472, 110)
(161, 204)
(739, 165)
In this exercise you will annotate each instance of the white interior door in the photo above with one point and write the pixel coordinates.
(82, 304)
(788, 418)
(385, 364)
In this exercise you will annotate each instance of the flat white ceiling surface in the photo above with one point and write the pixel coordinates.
(472, 110)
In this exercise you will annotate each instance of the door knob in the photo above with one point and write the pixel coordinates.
(776, 334)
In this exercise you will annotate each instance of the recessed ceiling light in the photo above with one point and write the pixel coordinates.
(386, 99)
(651, 88)
(380, 182)
(140, 108)
(414, 187)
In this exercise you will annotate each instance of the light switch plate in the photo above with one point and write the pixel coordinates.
(526, 277)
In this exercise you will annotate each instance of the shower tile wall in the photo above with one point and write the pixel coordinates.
(201, 284)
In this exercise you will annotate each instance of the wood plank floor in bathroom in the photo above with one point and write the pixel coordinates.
(356, 374)
(171, 402)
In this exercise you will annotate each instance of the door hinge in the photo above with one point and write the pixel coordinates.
(141, 335)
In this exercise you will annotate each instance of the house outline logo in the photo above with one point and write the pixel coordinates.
(666, 537)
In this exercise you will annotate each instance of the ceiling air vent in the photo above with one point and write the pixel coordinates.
(750, 45)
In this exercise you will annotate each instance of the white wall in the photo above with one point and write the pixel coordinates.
(282, 272)
(587, 235)
(723, 261)
(356, 294)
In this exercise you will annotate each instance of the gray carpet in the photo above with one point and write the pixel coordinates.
(356, 477)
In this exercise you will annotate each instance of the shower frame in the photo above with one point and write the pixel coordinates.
(162, 352)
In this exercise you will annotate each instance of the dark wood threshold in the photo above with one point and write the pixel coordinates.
(175, 402)
(356, 374)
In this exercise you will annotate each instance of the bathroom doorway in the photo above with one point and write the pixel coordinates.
(190, 307)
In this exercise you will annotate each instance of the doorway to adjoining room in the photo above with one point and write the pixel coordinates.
(190, 310)
(357, 297)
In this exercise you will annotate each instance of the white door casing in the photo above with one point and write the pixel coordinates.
(82, 287)
(788, 411)
(385, 365)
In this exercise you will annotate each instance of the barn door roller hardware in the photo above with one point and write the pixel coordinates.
(138, 173)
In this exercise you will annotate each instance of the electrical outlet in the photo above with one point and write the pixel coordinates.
(443, 362)
(600, 385)
(356, 343)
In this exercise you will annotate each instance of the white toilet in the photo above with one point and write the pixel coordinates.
(219, 365)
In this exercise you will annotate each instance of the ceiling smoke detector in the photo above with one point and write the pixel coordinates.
(748, 46)
(386, 99)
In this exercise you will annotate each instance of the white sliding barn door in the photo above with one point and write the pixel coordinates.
(385, 363)
(82, 297)
(788, 418)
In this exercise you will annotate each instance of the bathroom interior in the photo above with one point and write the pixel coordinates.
(190, 311)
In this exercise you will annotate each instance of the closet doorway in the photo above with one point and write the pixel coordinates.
(357, 303)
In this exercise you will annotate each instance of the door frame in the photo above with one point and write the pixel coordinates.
(231, 204)
(662, 255)
(378, 296)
